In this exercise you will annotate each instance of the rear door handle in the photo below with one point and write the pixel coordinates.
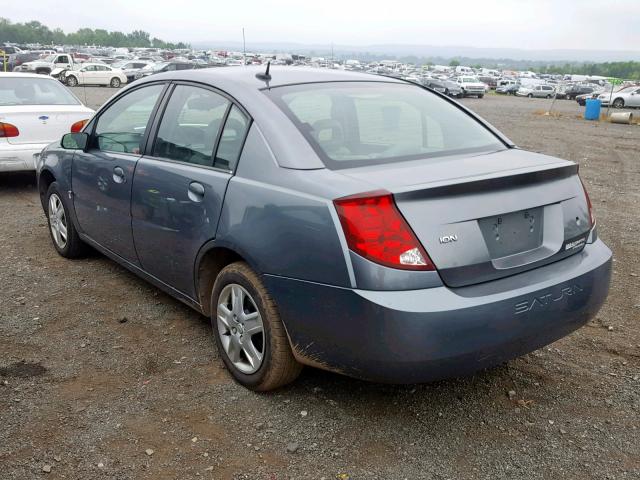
(118, 175)
(196, 192)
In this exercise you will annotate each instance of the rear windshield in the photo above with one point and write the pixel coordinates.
(353, 124)
(34, 91)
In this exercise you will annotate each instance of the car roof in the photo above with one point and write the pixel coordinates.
(26, 75)
(232, 79)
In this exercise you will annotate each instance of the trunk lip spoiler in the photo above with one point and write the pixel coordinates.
(498, 179)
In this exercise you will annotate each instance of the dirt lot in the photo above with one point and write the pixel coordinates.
(97, 368)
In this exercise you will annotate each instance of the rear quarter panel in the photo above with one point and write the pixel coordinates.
(282, 221)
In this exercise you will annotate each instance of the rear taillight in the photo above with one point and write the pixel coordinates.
(7, 130)
(375, 229)
(78, 126)
(592, 217)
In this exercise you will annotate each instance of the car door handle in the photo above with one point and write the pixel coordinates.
(196, 192)
(118, 175)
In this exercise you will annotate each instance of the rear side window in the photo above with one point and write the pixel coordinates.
(232, 139)
(190, 125)
(121, 127)
(352, 124)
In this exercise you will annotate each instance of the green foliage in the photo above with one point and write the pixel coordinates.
(454, 63)
(36, 32)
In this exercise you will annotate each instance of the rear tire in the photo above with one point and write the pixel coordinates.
(115, 82)
(277, 365)
(480, 96)
(72, 81)
(63, 232)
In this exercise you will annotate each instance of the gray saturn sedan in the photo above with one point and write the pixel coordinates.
(355, 223)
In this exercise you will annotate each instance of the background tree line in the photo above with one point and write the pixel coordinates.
(36, 32)
(624, 70)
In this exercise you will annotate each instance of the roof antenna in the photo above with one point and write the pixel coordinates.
(265, 76)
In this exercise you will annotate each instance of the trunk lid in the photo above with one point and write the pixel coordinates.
(488, 216)
(42, 123)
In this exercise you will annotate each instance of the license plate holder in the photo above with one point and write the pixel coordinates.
(512, 233)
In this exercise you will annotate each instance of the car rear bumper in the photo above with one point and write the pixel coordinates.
(423, 335)
(15, 158)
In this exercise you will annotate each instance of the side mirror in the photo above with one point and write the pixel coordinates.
(75, 141)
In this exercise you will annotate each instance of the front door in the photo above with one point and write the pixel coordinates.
(102, 176)
(179, 188)
(634, 99)
(103, 75)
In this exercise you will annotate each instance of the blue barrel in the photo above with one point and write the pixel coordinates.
(592, 110)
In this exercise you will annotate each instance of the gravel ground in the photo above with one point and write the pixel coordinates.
(103, 376)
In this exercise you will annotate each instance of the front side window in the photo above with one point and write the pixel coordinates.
(190, 125)
(121, 127)
(362, 123)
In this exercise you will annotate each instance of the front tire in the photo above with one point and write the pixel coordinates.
(618, 103)
(530, 95)
(115, 82)
(72, 81)
(249, 333)
(61, 228)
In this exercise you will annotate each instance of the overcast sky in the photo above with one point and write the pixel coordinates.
(530, 24)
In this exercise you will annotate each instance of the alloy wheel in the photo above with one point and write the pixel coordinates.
(57, 221)
(240, 328)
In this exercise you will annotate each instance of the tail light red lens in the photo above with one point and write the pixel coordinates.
(78, 126)
(375, 229)
(8, 130)
(592, 217)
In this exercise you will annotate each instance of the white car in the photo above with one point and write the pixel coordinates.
(34, 111)
(95, 74)
(625, 97)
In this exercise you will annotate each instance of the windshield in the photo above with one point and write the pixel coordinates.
(361, 123)
(470, 80)
(34, 91)
(158, 66)
(49, 58)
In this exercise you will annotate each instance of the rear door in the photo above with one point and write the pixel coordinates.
(179, 187)
(102, 176)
